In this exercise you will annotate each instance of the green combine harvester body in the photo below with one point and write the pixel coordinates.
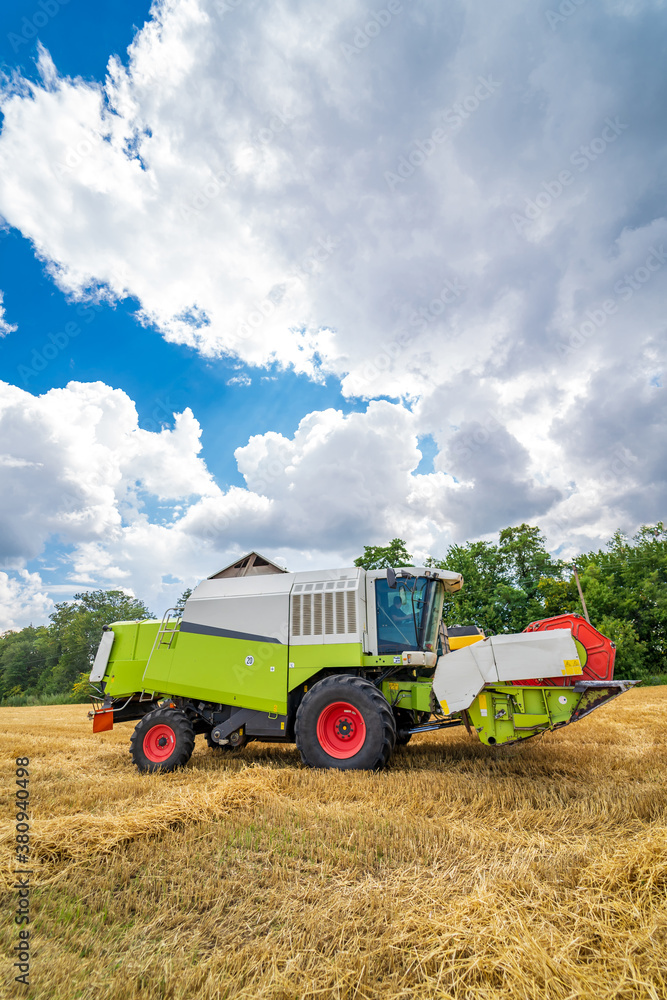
(346, 663)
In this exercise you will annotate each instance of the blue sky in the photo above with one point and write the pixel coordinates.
(160, 377)
(157, 376)
(80, 36)
(303, 279)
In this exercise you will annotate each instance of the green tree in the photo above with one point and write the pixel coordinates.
(626, 583)
(559, 597)
(508, 585)
(26, 656)
(631, 653)
(382, 556)
(483, 598)
(501, 583)
(526, 560)
(77, 626)
(180, 603)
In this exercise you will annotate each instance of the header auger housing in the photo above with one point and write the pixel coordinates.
(346, 663)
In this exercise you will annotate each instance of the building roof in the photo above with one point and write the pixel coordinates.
(252, 564)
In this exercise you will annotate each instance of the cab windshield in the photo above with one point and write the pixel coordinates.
(408, 617)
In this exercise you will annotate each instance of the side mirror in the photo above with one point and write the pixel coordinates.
(391, 578)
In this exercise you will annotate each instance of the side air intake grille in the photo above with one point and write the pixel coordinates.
(296, 615)
(317, 614)
(351, 612)
(329, 626)
(340, 613)
(327, 611)
(307, 615)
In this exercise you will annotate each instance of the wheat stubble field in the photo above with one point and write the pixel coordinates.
(457, 873)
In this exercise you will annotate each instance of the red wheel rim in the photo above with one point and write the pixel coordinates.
(341, 730)
(159, 743)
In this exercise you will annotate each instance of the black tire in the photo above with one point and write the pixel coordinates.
(373, 728)
(162, 741)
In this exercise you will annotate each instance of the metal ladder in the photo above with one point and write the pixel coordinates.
(163, 637)
(165, 631)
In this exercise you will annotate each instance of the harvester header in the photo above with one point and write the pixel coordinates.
(347, 663)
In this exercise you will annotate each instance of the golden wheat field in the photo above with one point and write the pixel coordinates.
(459, 872)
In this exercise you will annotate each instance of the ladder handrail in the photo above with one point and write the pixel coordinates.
(162, 631)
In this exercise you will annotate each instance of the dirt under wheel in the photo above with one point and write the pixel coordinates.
(346, 723)
(162, 741)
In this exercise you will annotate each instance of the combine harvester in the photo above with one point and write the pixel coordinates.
(346, 663)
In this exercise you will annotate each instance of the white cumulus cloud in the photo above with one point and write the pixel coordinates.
(23, 600)
(384, 205)
(139, 509)
(79, 464)
(457, 207)
(5, 327)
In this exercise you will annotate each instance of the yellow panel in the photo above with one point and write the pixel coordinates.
(459, 641)
(571, 667)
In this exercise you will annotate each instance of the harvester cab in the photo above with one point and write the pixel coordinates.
(408, 608)
(346, 663)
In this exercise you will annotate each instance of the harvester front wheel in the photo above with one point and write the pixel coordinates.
(162, 741)
(345, 722)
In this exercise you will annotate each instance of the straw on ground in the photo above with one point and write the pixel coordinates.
(459, 873)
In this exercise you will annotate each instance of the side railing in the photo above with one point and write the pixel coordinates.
(164, 636)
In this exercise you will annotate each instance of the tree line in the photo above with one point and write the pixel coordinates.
(515, 581)
(507, 585)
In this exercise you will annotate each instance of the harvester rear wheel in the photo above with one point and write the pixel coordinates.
(345, 722)
(162, 741)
